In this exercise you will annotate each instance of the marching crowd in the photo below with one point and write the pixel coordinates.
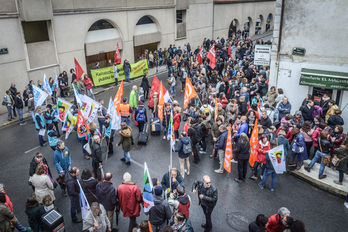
(234, 95)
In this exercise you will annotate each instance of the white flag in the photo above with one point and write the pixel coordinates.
(39, 96)
(277, 157)
(78, 100)
(115, 119)
(47, 86)
(56, 82)
(83, 202)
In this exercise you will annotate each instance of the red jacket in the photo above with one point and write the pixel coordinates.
(224, 102)
(315, 136)
(261, 152)
(274, 224)
(337, 142)
(186, 127)
(129, 196)
(176, 120)
(8, 203)
(88, 83)
(288, 135)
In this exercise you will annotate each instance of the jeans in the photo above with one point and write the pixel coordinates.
(165, 131)
(126, 155)
(176, 134)
(41, 141)
(265, 176)
(127, 76)
(242, 168)
(207, 212)
(74, 205)
(126, 120)
(90, 93)
(83, 142)
(172, 90)
(9, 114)
(32, 114)
(19, 226)
(20, 114)
(204, 144)
(318, 155)
(256, 168)
(54, 97)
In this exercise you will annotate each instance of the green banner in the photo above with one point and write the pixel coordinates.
(103, 76)
(324, 82)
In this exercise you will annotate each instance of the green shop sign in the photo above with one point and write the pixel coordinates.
(324, 79)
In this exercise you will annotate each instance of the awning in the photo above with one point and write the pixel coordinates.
(324, 79)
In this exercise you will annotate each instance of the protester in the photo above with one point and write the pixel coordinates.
(269, 170)
(182, 223)
(73, 191)
(140, 115)
(299, 150)
(276, 221)
(88, 85)
(13, 91)
(242, 154)
(126, 139)
(263, 146)
(115, 71)
(133, 97)
(19, 106)
(62, 161)
(5, 215)
(109, 135)
(88, 185)
(34, 211)
(97, 157)
(160, 213)
(180, 201)
(175, 180)
(259, 225)
(208, 196)
(146, 86)
(96, 219)
(221, 147)
(106, 193)
(52, 136)
(184, 149)
(9, 104)
(42, 183)
(127, 69)
(129, 197)
(125, 111)
(342, 155)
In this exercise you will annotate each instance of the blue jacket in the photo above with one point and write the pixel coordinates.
(282, 140)
(170, 70)
(61, 159)
(165, 181)
(107, 131)
(107, 195)
(39, 121)
(179, 148)
(246, 95)
(300, 142)
(242, 129)
(51, 135)
(284, 109)
(221, 143)
(50, 117)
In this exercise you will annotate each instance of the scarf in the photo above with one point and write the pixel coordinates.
(179, 227)
(44, 165)
(263, 144)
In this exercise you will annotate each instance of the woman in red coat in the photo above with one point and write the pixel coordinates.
(176, 121)
(88, 84)
(262, 147)
(315, 137)
(223, 100)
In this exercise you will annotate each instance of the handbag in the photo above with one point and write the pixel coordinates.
(13, 221)
(326, 159)
(336, 161)
(87, 147)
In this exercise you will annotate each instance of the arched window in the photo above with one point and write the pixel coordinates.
(100, 25)
(145, 20)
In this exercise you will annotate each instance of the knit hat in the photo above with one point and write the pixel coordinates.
(158, 191)
(281, 132)
(140, 103)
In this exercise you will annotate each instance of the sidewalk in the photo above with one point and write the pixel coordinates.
(326, 184)
(96, 90)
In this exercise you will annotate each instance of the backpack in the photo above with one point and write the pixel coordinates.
(198, 133)
(187, 148)
(141, 115)
(206, 111)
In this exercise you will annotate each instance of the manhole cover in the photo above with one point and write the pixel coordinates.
(238, 222)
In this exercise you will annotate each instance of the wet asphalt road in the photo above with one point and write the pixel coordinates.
(238, 204)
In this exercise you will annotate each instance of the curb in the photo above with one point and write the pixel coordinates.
(323, 186)
(95, 93)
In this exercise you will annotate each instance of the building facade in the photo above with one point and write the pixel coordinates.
(44, 36)
(308, 53)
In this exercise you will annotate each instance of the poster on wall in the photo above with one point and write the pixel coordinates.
(262, 55)
(103, 76)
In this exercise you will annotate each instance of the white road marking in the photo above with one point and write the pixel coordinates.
(32, 149)
(142, 166)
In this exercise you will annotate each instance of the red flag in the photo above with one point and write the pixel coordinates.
(161, 103)
(229, 48)
(82, 128)
(155, 87)
(228, 152)
(200, 55)
(190, 92)
(211, 57)
(253, 144)
(117, 55)
(78, 69)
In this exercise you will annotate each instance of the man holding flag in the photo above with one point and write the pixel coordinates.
(221, 147)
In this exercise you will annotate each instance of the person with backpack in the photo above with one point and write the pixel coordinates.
(140, 116)
(195, 134)
(207, 110)
(184, 150)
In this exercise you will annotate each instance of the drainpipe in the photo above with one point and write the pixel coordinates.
(213, 19)
(279, 41)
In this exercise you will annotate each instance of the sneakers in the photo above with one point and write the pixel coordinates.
(322, 177)
(238, 180)
(234, 161)
(202, 152)
(219, 171)
(187, 172)
(272, 190)
(201, 149)
(23, 123)
(123, 159)
(346, 204)
(260, 186)
(43, 145)
(307, 169)
(128, 163)
(164, 137)
(337, 182)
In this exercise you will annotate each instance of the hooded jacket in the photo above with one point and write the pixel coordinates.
(221, 143)
(297, 121)
(106, 193)
(126, 139)
(161, 212)
(89, 188)
(318, 111)
(179, 148)
(165, 181)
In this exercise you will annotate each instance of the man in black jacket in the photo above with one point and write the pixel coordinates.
(194, 133)
(106, 194)
(307, 111)
(19, 106)
(265, 121)
(208, 196)
(73, 190)
(13, 95)
(96, 156)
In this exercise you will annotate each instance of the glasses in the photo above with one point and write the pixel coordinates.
(207, 182)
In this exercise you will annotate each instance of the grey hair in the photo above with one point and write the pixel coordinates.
(134, 87)
(223, 127)
(174, 170)
(60, 142)
(30, 95)
(96, 137)
(205, 177)
(95, 206)
(282, 211)
(2, 186)
(127, 177)
(244, 89)
(243, 138)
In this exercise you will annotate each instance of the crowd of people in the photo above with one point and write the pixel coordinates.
(235, 94)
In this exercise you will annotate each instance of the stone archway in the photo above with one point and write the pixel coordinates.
(260, 25)
(249, 26)
(270, 22)
(234, 27)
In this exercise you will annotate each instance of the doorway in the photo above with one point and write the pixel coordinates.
(102, 58)
(139, 50)
(318, 93)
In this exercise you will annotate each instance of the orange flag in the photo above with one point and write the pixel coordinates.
(190, 92)
(228, 151)
(117, 99)
(216, 109)
(253, 143)
(150, 228)
(161, 104)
